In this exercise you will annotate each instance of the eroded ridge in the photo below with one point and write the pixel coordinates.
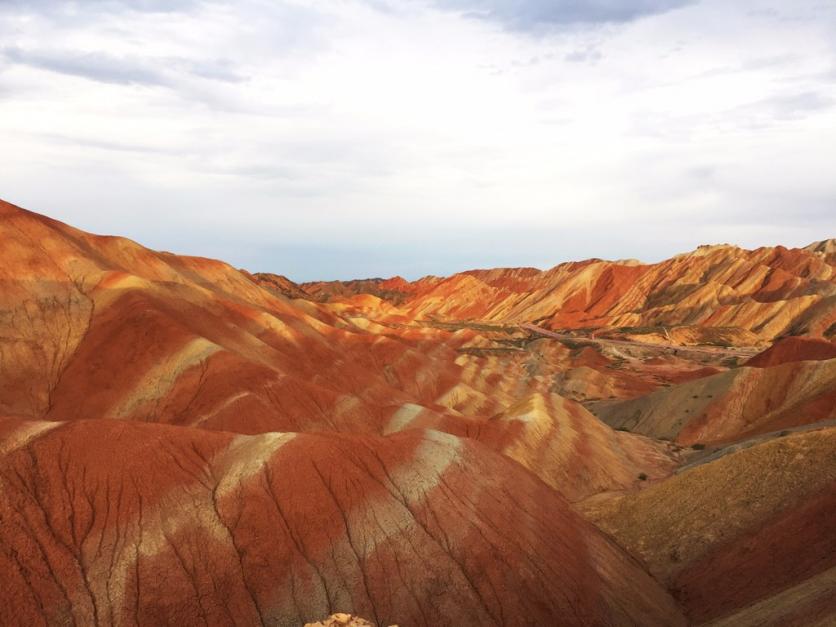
(170, 524)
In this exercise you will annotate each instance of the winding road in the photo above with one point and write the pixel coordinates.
(709, 350)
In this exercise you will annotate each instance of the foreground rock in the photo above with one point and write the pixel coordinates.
(342, 620)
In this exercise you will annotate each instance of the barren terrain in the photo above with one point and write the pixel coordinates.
(601, 443)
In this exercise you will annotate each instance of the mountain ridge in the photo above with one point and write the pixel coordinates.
(160, 415)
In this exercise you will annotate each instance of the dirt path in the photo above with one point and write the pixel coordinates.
(708, 350)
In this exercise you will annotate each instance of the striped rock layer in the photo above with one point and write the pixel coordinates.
(183, 442)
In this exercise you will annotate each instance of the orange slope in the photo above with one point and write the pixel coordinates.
(115, 521)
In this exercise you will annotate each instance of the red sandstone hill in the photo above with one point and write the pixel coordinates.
(794, 349)
(731, 405)
(187, 442)
(768, 292)
(279, 284)
(164, 525)
(103, 327)
(395, 289)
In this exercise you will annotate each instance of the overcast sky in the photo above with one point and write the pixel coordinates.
(349, 138)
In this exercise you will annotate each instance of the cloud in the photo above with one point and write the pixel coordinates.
(777, 109)
(123, 70)
(96, 66)
(214, 69)
(796, 106)
(528, 15)
(102, 144)
(71, 7)
(585, 54)
(349, 137)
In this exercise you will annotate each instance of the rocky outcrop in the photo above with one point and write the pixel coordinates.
(342, 620)
(279, 284)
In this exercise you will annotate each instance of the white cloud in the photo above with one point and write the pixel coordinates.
(344, 138)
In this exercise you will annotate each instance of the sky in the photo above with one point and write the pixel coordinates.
(354, 138)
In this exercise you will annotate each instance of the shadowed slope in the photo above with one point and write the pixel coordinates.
(729, 533)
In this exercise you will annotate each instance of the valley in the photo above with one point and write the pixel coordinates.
(610, 443)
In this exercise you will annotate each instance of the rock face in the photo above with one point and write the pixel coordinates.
(182, 442)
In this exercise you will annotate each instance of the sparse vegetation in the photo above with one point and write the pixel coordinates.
(482, 351)
(639, 330)
(520, 342)
(617, 363)
(468, 324)
(718, 343)
(730, 362)
(642, 476)
(698, 446)
(573, 344)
